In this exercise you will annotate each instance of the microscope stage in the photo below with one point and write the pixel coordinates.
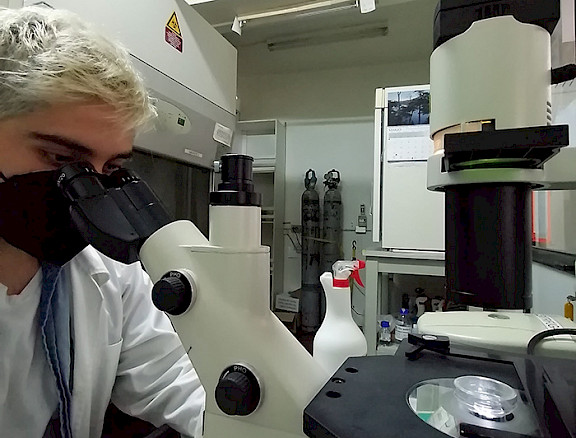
(503, 331)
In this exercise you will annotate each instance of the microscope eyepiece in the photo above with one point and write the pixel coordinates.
(237, 186)
(122, 176)
(79, 180)
(114, 213)
(236, 173)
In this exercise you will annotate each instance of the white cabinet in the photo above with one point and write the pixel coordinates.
(265, 141)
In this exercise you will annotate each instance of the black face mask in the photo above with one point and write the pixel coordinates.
(35, 217)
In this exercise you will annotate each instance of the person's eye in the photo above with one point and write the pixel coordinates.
(57, 159)
(112, 167)
(108, 169)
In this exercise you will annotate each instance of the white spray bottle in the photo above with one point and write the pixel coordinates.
(339, 338)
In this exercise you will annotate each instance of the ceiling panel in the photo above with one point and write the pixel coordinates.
(409, 35)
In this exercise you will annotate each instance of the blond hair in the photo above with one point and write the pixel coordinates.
(50, 56)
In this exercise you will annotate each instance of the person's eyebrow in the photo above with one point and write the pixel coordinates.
(63, 141)
(74, 146)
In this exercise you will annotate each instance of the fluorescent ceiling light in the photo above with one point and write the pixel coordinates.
(326, 11)
(316, 38)
(308, 8)
(197, 2)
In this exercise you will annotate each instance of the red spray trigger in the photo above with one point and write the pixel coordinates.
(356, 275)
(343, 269)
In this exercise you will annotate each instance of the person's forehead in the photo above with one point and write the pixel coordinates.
(80, 126)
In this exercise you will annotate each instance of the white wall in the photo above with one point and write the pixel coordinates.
(329, 124)
(323, 94)
(562, 221)
(341, 144)
(562, 211)
(550, 288)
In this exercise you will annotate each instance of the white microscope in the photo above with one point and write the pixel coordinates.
(258, 377)
(490, 81)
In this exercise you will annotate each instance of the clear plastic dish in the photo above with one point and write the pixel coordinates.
(484, 397)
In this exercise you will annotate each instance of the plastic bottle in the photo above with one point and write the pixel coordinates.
(384, 335)
(437, 304)
(339, 338)
(403, 326)
(421, 303)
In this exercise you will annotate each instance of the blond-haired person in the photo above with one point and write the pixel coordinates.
(77, 329)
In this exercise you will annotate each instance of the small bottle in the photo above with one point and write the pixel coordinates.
(569, 307)
(423, 304)
(384, 336)
(403, 326)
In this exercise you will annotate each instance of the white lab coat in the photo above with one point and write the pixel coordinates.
(126, 350)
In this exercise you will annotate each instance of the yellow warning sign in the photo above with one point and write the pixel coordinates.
(173, 24)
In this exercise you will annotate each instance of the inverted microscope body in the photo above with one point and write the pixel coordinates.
(230, 327)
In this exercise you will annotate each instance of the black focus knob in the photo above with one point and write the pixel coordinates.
(172, 293)
(238, 391)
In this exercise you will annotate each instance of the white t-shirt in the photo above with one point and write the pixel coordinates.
(28, 393)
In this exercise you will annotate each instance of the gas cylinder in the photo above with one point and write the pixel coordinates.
(310, 298)
(332, 221)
